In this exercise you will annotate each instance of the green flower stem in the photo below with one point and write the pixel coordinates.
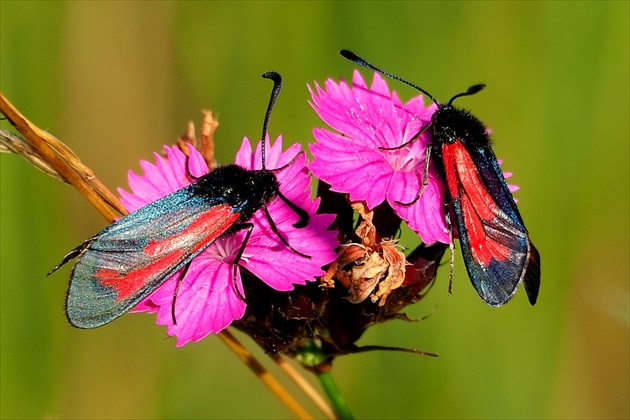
(336, 398)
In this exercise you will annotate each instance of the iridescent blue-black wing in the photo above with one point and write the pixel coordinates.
(129, 259)
(495, 244)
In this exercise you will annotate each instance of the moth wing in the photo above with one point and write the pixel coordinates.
(495, 244)
(129, 259)
(503, 196)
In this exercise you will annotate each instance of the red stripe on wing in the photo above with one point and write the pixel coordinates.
(162, 255)
(479, 209)
(128, 284)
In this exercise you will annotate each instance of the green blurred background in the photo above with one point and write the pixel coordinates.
(116, 81)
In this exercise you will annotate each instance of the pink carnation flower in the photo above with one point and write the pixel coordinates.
(207, 301)
(353, 161)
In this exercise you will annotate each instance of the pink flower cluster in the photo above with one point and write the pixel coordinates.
(374, 156)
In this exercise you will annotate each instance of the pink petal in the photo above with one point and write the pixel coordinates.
(362, 173)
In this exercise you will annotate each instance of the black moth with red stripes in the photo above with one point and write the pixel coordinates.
(497, 250)
(126, 261)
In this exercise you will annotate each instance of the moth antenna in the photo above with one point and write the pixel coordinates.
(470, 91)
(360, 61)
(277, 87)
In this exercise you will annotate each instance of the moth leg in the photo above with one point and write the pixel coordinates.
(451, 246)
(425, 178)
(249, 227)
(188, 173)
(72, 255)
(414, 138)
(275, 230)
(179, 282)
